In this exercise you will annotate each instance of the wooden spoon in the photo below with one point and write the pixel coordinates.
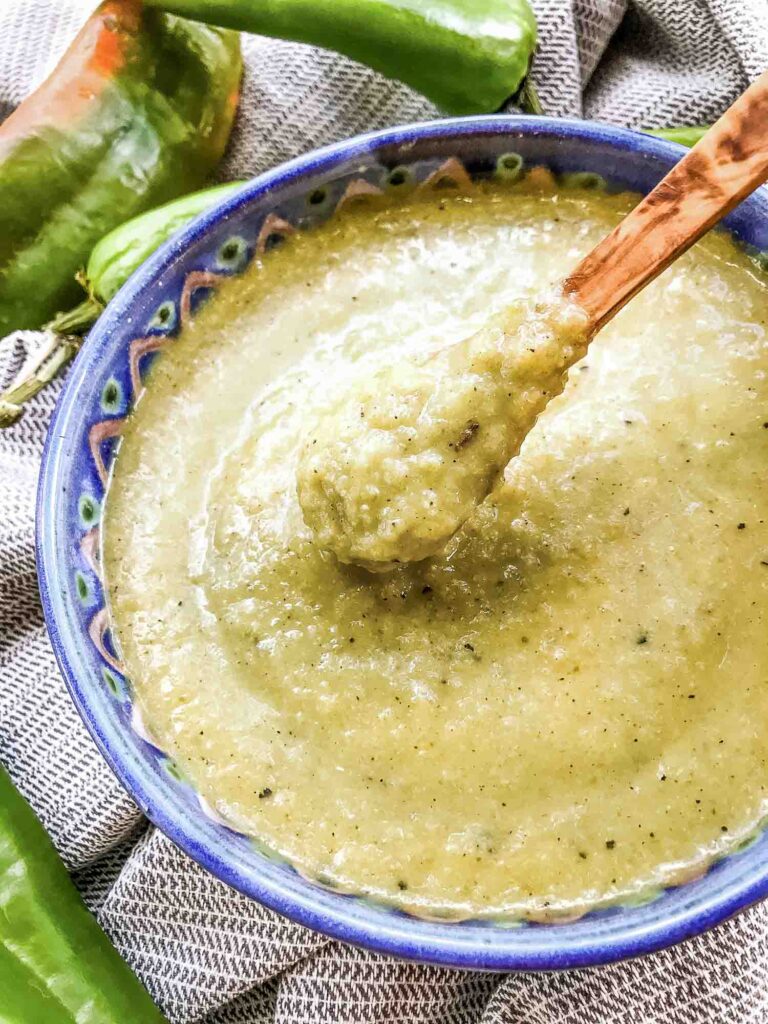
(728, 163)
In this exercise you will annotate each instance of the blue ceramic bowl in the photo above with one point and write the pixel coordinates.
(104, 382)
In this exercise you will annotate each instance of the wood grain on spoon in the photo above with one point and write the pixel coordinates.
(729, 162)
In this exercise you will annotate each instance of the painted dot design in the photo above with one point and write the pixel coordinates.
(319, 199)
(509, 167)
(399, 178)
(82, 588)
(111, 681)
(584, 179)
(232, 255)
(165, 317)
(112, 396)
(89, 510)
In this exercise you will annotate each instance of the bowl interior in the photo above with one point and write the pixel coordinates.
(107, 377)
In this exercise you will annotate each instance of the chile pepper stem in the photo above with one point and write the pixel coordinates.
(78, 319)
(39, 370)
(527, 98)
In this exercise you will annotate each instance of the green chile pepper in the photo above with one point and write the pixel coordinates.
(113, 260)
(137, 112)
(56, 964)
(685, 136)
(115, 257)
(119, 253)
(467, 56)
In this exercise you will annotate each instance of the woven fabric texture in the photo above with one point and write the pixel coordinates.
(205, 952)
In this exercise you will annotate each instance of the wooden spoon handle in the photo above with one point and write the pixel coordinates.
(729, 162)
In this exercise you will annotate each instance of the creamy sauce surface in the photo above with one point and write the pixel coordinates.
(566, 706)
(391, 471)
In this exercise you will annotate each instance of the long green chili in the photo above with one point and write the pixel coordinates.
(467, 56)
(56, 964)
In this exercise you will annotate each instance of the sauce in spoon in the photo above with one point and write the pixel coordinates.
(396, 467)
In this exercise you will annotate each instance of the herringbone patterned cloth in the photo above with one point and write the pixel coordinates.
(206, 953)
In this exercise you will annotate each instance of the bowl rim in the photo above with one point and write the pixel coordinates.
(451, 944)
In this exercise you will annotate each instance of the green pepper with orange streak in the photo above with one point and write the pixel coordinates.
(137, 112)
(112, 261)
